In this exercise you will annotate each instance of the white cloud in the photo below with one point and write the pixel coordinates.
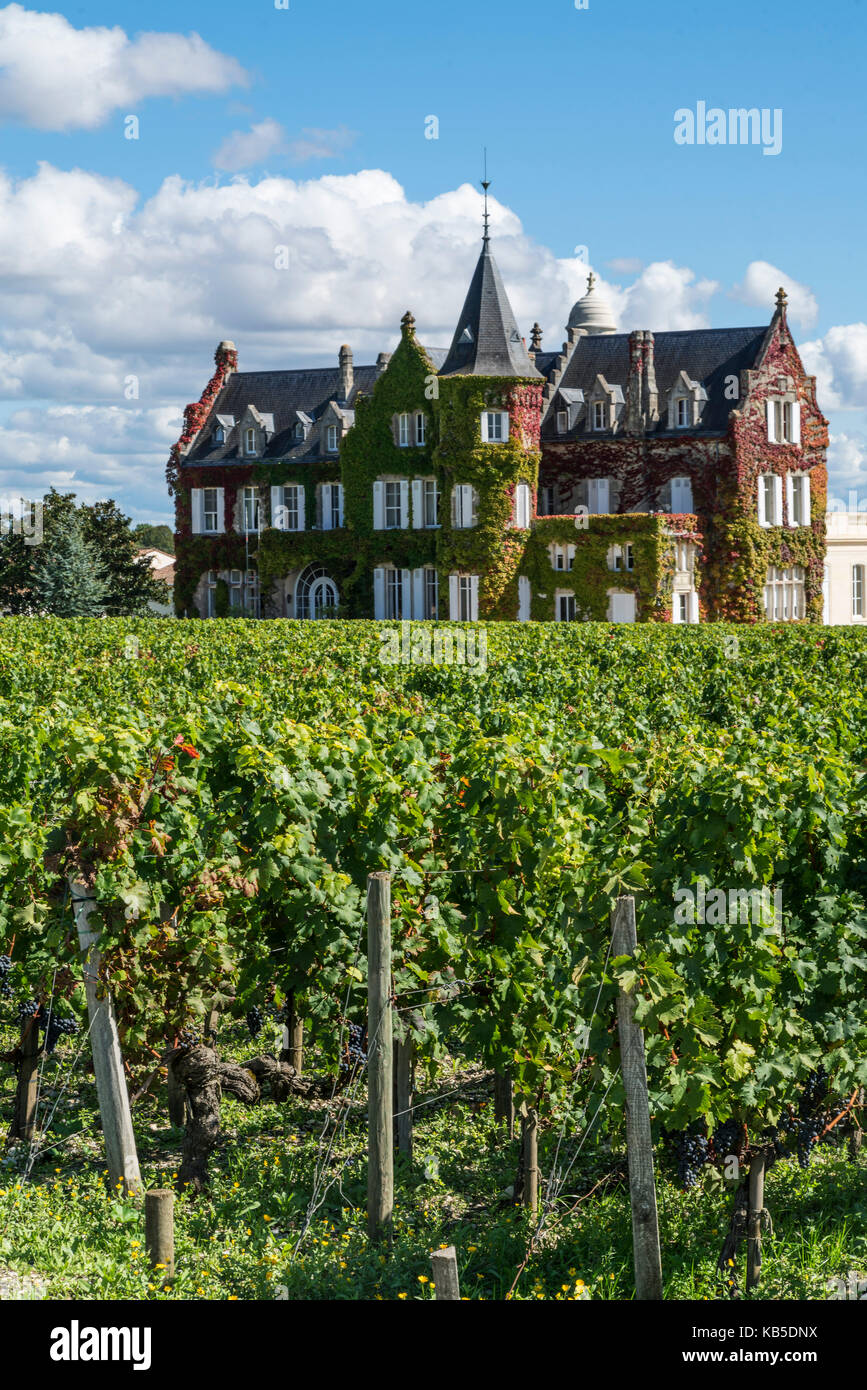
(321, 144)
(847, 463)
(665, 297)
(242, 149)
(759, 287)
(839, 362)
(56, 77)
(625, 265)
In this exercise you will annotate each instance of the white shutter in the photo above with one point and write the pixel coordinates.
(681, 495)
(473, 498)
(278, 516)
(404, 503)
(326, 506)
(417, 593)
(778, 500)
(379, 593)
(675, 608)
(796, 422)
(484, 427)
(197, 505)
(623, 608)
(790, 497)
(301, 495)
(763, 520)
(454, 599)
(417, 503)
(693, 606)
(524, 596)
(805, 500)
(221, 511)
(772, 435)
(505, 425)
(339, 487)
(456, 497)
(379, 506)
(474, 598)
(406, 593)
(598, 496)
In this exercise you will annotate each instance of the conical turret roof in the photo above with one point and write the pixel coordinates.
(487, 341)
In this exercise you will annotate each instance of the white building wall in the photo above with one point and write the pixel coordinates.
(846, 537)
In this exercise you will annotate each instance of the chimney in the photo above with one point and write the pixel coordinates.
(226, 358)
(635, 383)
(346, 373)
(651, 393)
(382, 362)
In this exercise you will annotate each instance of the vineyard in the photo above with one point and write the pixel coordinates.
(213, 798)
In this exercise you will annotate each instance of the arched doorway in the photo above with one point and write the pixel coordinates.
(316, 594)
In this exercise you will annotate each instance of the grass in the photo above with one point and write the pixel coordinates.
(242, 1241)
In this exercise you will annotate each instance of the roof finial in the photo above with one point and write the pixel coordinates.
(782, 300)
(591, 281)
(407, 324)
(535, 338)
(486, 183)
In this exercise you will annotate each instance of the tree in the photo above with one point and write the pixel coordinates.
(66, 580)
(127, 581)
(158, 537)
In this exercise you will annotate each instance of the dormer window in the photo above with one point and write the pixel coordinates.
(250, 441)
(219, 435)
(599, 421)
(299, 431)
(562, 421)
(495, 427)
(784, 421)
(683, 413)
(332, 439)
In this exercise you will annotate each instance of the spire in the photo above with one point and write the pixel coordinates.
(487, 341)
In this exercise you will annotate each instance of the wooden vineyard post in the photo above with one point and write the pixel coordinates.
(754, 1218)
(530, 1141)
(380, 1153)
(293, 1038)
(445, 1273)
(404, 1064)
(111, 1088)
(160, 1230)
(504, 1103)
(24, 1116)
(639, 1146)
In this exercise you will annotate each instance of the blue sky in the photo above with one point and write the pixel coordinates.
(114, 273)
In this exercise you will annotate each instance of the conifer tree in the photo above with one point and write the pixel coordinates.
(67, 578)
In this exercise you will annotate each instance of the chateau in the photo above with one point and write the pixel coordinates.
(669, 477)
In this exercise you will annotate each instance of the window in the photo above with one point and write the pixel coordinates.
(564, 608)
(431, 593)
(599, 496)
(785, 599)
(287, 507)
(394, 595)
(403, 431)
(430, 502)
(620, 557)
(522, 506)
(299, 431)
(562, 556)
(681, 496)
(562, 421)
(857, 591)
(683, 557)
(211, 594)
(250, 441)
(524, 598)
(548, 501)
(463, 598)
(392, 506)
(495, 427)
(798, 498)
(219, 435)
(770, 500)
(332, 506)
(421, 428)
(249, 509)
(784, 421)
(315, 594)
(464, 506)
(332, 439)
(210, 515)
(599, 414)
(251, 594)
(621, 607)
(683, 412)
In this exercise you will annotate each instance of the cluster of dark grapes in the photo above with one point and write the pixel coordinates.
(28, 1010)
(255, 1021)
(693, 1152)
(727, 1140)
(5, 982)
(188, 1037)
(355, 1048)
(57, 1027)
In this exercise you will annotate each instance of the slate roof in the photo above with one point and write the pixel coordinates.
(487, 341)
(707, 355)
